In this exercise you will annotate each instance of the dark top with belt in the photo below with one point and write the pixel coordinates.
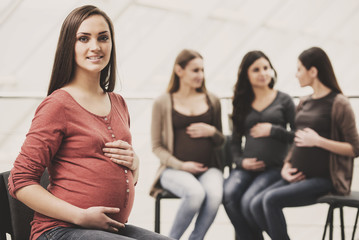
(199, 150)
(315, 114)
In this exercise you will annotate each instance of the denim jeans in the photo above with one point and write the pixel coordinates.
(200, 194)
(130, 232)
(239, 190)
(267, 207)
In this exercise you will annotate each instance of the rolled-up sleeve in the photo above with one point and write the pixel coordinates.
(40, 146)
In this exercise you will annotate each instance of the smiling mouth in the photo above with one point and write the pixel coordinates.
(95, 58)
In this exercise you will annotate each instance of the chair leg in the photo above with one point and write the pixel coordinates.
(157, 214)
(331, 225)
(2, 236)
(342, 223)
(355, 224)
(329, 219)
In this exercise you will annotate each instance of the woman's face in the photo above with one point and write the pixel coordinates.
(303, 75)
(193, 74)
(93, 45)
(260, 73)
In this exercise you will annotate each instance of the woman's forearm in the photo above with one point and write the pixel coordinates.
(41, 201)
(341, 148)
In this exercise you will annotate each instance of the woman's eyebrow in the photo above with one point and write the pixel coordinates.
(85, 33)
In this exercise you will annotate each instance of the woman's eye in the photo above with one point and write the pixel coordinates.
(104, 38)
(83, 39)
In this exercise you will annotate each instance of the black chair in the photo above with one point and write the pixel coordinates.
(162, 195)
(15, 217)
(334, 202)
(227, 158)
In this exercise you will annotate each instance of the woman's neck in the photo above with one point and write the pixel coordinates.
(186, 92)
(88, 84)
(319, 89)
(262, 92)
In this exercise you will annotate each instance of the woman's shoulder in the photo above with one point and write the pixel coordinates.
(341, 99)
(284, 95)
(163, 99)
(213, 97)
(341, 104)
(56, 99)
(118, 101)
(117, 97)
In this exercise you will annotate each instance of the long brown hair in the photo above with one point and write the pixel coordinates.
(183, 58)
(64, 63)
(243, 91)
(316, 57)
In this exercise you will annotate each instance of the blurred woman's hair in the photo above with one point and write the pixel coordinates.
(243, 92)
(183, 58)
(316, 57)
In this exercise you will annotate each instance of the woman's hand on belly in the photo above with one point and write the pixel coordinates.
(121, 152)
(198, 130)
(261, 130)
(193, 167)
(96, 218)
(291, 174)
(306, 138)
(251, 164)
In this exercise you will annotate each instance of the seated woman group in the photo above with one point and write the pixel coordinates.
(290, 156)
(81, 131)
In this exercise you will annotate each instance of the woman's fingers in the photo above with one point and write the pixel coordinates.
(113, 225)
(120, 152)
(118, 144)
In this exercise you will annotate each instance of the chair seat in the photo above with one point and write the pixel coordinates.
(351, 200)
(166, 194)
(336, 201)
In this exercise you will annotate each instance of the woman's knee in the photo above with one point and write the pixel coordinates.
(256, 206)
(270, 198)
(195, 198)
(214, 198)
(232, 189)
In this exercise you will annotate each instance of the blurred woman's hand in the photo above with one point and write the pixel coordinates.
(261, 130)
(251, 164)
(193, 167)
(198, 130)
(291, 174)
(306, 138)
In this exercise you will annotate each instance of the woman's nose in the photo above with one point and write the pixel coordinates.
(94, 45)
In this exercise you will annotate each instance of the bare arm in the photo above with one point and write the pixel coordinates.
(41, 201)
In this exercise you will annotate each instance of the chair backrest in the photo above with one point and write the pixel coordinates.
(15, 217)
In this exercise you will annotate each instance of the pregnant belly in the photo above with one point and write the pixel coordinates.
(113, 187)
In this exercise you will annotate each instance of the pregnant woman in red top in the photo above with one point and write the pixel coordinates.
(81, 133)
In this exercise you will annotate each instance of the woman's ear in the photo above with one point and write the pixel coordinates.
(178, 70)
(313, 71)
